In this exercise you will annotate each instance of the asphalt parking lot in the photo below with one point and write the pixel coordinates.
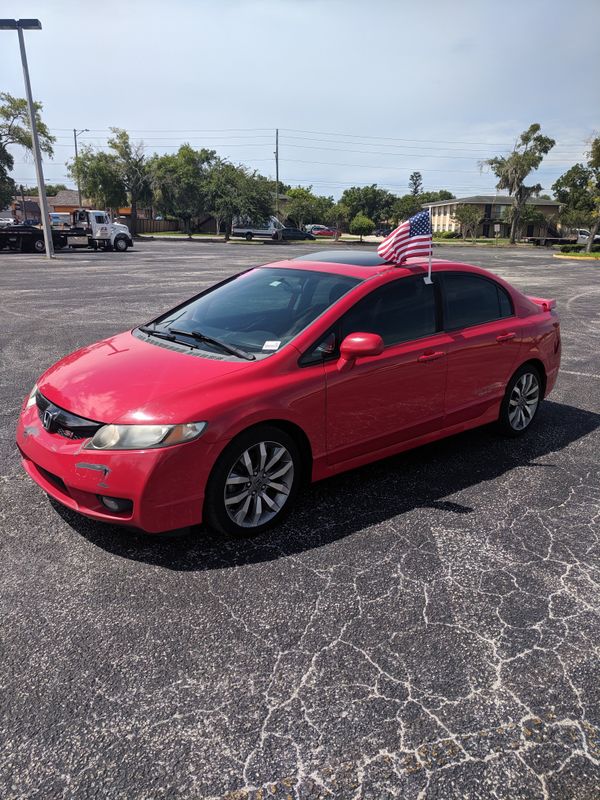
(426, 627)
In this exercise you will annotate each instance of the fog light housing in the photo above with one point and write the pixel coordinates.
(118, 505)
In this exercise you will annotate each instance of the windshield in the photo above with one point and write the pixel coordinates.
(259, 311)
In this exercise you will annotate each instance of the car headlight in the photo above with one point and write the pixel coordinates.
(143, 437)
(31, 399)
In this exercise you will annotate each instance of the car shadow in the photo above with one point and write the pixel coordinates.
(335, 508)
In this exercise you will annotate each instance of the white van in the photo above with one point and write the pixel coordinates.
(263, 229)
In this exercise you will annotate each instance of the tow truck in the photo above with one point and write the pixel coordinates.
(89, 228)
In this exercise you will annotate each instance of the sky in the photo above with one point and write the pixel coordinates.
(362, 92)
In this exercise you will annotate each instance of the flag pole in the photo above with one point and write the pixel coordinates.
(428, 278)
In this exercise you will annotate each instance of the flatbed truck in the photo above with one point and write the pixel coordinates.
(89, 228)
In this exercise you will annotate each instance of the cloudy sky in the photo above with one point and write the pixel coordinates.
(362, 92)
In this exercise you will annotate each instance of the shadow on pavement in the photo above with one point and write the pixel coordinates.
(336, 508)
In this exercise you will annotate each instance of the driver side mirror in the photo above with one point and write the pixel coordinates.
(358, 345)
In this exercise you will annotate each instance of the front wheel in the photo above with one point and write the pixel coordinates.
(248, 236)
(120, 244)
(521, 401)
(254, 482)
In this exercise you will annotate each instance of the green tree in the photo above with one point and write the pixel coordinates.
(512, 170)
(406, 206)
(304, 206)
(180, 181)
(100, 178)
(15, 129)
(434, 197)
(338, 216)
(361, 226)
(51, 189)
(468, 217)
(371, 201)
(132, 166)
(415, 183)
(572, 190)
(233, 191)
(593, 163)
(530, 215)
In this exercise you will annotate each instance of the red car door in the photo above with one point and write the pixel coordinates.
(485, 340)
(397, 395)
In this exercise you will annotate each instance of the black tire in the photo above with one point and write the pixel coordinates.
(121, 244)
(39, 246)
(216, 513)
(524, 391)
(248, 236)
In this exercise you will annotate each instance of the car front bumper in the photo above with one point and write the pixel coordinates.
(165, 485)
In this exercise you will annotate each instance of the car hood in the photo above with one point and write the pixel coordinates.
(126, 379)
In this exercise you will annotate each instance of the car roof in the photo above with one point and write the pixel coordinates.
(367, 264)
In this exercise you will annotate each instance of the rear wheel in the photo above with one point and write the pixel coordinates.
(254, 482)
(39, 246)
(521, 401)
(248, 236)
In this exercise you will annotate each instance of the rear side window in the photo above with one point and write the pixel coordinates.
(472, 300)
(398, 312)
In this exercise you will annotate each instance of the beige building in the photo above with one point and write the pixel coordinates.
(493, 209)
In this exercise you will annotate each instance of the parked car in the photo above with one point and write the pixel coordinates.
(221, 408)
(4, 221)
(323, 230)
(383, 231)
(292, 233)
(583, 236)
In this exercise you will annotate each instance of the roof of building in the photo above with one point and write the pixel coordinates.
(485, 199)
(65, 197)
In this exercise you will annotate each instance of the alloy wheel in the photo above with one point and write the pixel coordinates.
(524, 400)
(259, 484)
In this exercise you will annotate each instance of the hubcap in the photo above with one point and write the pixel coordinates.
(523, 402)
(259, 484)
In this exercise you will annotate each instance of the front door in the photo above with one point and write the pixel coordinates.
(398, 395)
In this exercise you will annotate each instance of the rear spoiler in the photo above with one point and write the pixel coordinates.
(543, 303)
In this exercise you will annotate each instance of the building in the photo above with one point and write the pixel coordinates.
(493, 210)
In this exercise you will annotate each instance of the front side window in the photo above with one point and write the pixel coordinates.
(472, 300)
(261, 310)
(398, 312)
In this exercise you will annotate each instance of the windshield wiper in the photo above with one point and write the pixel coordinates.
(229, 348)
(164, 335)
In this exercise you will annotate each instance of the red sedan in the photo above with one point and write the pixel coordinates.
(322, 230)
(219, 409)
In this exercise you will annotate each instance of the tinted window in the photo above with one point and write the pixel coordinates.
(261, 310)
(398, 312)
(362, 258)
(471, 300)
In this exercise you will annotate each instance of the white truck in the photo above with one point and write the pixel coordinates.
(88, 228)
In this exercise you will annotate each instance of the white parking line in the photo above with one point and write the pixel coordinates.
(581, 374)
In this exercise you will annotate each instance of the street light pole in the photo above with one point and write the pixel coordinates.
(20, 25)
(75, 135)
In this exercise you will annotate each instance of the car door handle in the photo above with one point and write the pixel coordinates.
(505, 337)
(432, 356)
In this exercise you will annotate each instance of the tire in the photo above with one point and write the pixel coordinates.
(120, 244)
(239, 465)
(521, 402)
(248, 236)
(39, 246)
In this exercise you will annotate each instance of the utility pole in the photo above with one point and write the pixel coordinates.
(75, 135)
(277, 172)
(20, 25)
(23, 215)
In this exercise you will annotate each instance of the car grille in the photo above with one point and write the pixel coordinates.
(57, 420)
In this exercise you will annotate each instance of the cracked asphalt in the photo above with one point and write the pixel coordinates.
(425, 627)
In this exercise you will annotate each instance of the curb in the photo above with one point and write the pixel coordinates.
(575, 257)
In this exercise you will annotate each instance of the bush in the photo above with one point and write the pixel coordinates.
(362, 226)
(571, 248)
(446, 235)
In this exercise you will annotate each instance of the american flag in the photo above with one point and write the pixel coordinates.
(412, 238)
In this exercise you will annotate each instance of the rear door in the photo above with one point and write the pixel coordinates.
(485, 341)
(398, 395)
